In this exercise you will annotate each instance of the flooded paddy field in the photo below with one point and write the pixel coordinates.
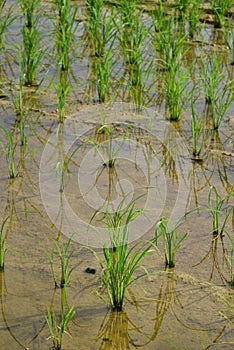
(116, 108)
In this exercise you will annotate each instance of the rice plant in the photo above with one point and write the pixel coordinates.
(159, 17)
(218, 89)
(182, 8)
(66, 27)
(62, 88)
(9, 149)
(176, 80)
(15, 94)
(211, 75)
(32, 53)
(134, 42)
(216, 206)
(65, 255)
(197, 128)
(58, 327)
(62, 167)
(6, 19)
(119, 263)
(100, 26)
(112, 152)
(220, 8)
(194, 16)
(172, 239)
(220, 104)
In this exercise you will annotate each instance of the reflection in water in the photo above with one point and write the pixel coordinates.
(13, 329)
(218, 263)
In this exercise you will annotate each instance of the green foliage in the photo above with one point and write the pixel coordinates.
(197, 129)
(119, 262)
(57, 327)
(176, 80)
(172, 239)
(6, 19)
(112, 153)
(65, 255)
(218, 89)
(220, 8)
(9, 151)
(216, 206)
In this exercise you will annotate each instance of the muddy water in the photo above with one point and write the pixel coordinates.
(184, 306)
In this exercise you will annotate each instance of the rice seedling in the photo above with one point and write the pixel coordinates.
(182, 8)
(62, 88)
(101, 27)
(112, 152)
(6, 19)
(220, 8)
(176, 83)
(119, 262)
(159, 17)
(193, 17)
(172, 239)
(229, 39)
(197, 129)
(57, 327)
(9, 151)
(221, 103)
(103, 68)
(176, 80)
(62, 167)
(65, 255)
(66, 27)
(211, 75)
(32, 53)
(216, 207)
(15, 94)
(217, 87)
(134, 41)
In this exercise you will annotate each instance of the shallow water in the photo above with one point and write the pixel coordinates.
(185, 305)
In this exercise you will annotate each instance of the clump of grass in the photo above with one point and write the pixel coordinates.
(218, 89)
(57, 327)
(220, 8)
(176, 80)
(194, 17)
(172, 239)
(6, 19)
(100, 26)
(66, 27)
(216, 206)
(112, 152)
(181, 9)
(65, 255)
(197, 128)
(119, 262)
(159, 17)
(9, 150)
(62, 167)
(32, 53)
